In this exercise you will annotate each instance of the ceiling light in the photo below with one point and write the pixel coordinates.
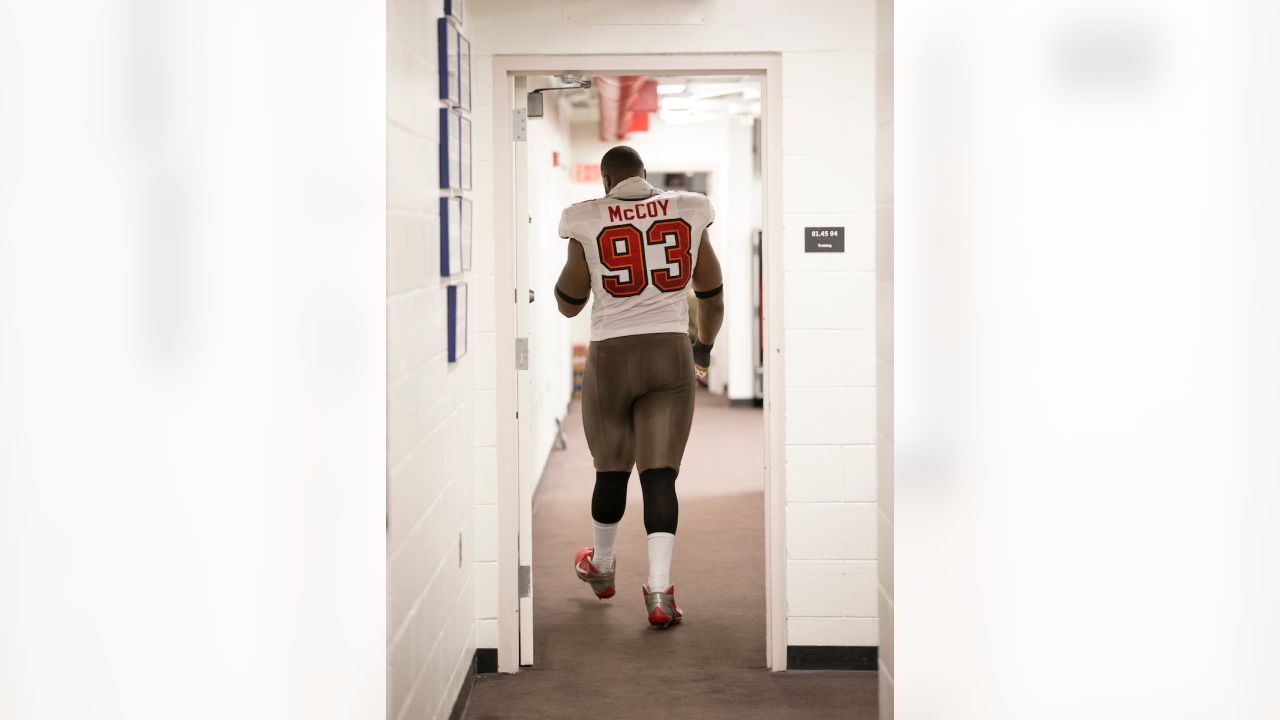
(670, 89)
(718, 91)
(676, 103)
(689, 117)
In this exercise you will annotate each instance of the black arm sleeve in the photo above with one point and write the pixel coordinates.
(569, 298)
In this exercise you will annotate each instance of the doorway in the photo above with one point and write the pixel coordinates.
(517, 439)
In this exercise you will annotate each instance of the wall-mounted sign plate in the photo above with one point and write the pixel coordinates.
(452, 254)
(447, 38)
(457, 306)
(824, 239)
(464, 224)
(464, 153)
(464, 73)
(453, 9)
(451, 159)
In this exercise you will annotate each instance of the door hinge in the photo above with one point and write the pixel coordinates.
(526, 581)
(520, 124)
(522, 353)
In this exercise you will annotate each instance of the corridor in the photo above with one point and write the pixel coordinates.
(601, 659)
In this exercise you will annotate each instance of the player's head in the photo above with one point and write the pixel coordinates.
(619, 164)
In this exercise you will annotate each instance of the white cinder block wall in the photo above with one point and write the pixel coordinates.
(431, 618)
(884, 341)
(828, 50)
(485, 353)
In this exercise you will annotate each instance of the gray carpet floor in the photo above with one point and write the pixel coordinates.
(600, 659)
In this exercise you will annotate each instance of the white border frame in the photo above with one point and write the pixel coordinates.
(768, 66)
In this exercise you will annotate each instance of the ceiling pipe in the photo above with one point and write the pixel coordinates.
(617, 96)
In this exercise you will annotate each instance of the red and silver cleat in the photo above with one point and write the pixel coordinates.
(663, 611)
(601, 582)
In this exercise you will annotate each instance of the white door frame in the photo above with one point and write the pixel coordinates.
(768, 66)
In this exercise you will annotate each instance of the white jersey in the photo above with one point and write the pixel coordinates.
(641, 245)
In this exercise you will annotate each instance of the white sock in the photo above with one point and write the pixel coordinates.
(660, 546)
(603, 536)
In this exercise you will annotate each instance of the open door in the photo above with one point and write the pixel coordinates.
(524, 378)
(515, 433)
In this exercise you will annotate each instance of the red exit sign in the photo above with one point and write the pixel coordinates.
(586, 172)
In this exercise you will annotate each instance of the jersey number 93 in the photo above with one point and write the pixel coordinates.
(622, 251)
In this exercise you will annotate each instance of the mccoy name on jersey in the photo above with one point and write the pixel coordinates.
(641, 245)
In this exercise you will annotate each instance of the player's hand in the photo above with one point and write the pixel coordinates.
(701, 358)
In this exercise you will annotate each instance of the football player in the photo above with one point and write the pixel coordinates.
(633, 252)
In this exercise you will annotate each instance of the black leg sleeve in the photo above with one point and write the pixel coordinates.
(661, 508)
(609, 501)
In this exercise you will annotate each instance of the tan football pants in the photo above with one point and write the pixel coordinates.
(637, 401)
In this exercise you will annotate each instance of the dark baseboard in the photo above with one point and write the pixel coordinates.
(485, 661)
(831, 657)
(745, 403)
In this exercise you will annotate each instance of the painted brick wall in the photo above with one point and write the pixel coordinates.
(430, 403)
(486, 354)
(828, 52)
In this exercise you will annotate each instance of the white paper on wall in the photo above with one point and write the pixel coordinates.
(464, 230)
(464, 153)
(464, 73)
(457, 302)
(447, 37)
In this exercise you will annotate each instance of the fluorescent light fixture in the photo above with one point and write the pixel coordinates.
(689, 117)
(674, 117)
(718, 91)
(672, 89)
(677, 103)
